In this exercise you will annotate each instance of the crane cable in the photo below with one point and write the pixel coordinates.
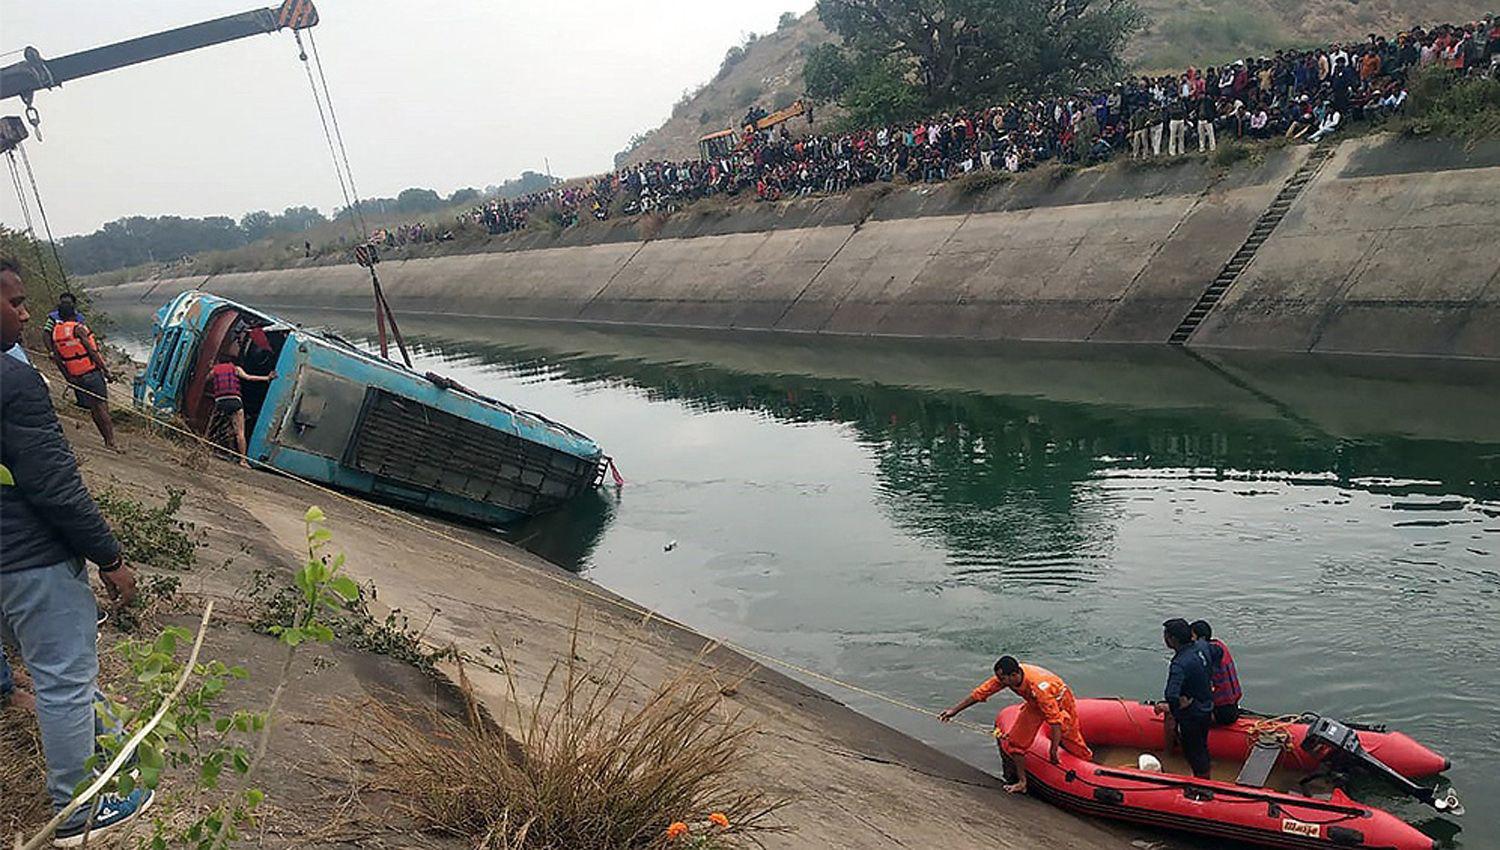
(345, 173)
(328, 137)
(15, 179)
(42, 211)
(337, 133)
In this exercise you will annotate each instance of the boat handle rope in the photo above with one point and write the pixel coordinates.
(580, 587)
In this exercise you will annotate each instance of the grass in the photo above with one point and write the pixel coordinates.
(1440, 105)
(21, 773)
(979, 182)
(581, 765)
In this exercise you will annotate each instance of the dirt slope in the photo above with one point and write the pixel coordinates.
(1178, 33)
(854, 783)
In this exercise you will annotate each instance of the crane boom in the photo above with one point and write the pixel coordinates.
(25, 77)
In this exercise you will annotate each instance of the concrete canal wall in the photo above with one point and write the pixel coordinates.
(1389, 246)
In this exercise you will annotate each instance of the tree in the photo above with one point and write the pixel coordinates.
(463, 196)
(827, 72)
(975, 51)
(873, 89)
(528, 182)
(297, 219)
(418, 200)
(257, 225)
(787, 20)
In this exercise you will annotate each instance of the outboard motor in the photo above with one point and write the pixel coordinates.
(1340, 745)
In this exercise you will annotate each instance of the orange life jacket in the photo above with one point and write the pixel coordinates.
(71, 349)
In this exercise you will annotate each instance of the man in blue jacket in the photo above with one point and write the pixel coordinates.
(1189, 695)
(50, 526)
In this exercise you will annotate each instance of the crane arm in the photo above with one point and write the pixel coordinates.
(25, 77)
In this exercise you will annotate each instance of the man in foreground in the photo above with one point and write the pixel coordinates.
(50, 525)
(1188, 695)
(77, 356)
(1223, 677)
(1048, 699)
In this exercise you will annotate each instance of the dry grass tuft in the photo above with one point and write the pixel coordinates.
(24, 804)
(585, 769)
(649, 225)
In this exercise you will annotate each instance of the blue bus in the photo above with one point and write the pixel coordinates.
(341, 416)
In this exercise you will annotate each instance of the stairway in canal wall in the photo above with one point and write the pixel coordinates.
(1371, 245)
(1264, 227)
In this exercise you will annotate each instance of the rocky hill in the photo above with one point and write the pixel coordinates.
(768, 70)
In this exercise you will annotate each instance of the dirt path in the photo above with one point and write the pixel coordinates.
(855, 783)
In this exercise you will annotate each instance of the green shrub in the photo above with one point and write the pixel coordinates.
(746, 96)
(1443, 105)
(1230, 153)
(152, 536)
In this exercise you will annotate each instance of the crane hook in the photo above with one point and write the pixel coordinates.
(33, 117)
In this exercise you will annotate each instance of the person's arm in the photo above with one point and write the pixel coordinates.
(46, 475)
(1172, 694)
(246, 376)
(989, 688)
(87, 338)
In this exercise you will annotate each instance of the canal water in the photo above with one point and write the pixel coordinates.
(897, 515)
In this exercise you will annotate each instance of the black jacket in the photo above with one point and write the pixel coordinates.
(1190, 675)
(47, 516)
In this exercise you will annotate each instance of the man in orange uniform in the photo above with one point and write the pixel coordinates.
(1048, 700)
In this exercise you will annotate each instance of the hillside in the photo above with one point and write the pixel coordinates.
(1178, 33)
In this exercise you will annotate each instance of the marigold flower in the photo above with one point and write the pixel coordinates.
(677, 830)
(719, 819)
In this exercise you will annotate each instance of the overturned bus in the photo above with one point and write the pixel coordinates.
(341, 416)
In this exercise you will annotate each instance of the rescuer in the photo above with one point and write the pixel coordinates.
(1048, 699)
(77, 357)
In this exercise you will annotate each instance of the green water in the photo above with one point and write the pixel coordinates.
(897, 515)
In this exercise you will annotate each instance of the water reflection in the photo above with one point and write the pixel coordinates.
(896, 513)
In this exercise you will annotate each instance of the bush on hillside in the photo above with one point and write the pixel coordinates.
(1443, 105)
(746, 96)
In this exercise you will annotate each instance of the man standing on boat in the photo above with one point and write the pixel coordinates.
(1048, 699)
(1189, 694)
(1225, 681)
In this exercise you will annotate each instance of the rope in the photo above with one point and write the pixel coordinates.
(584, 589)
(1273, 731)
(42, 210)
(337, 134)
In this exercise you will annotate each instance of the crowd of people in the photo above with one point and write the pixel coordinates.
(1299, 94)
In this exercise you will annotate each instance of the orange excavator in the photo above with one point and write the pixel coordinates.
(721, 144)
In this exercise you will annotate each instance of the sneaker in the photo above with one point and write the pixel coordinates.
(113, 813)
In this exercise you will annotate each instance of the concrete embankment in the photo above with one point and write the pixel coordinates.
(1390, 246)
(853, 782)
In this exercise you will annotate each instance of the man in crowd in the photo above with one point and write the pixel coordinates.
(1223, 678)
(50, 526)
(1048, 699)
(77, 356)
(1188, 696)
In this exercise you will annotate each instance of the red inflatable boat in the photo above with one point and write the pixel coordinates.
(1243, 801)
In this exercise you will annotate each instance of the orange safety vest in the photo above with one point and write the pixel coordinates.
(72, 350)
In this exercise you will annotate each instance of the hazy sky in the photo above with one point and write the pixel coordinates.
(446, 94)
